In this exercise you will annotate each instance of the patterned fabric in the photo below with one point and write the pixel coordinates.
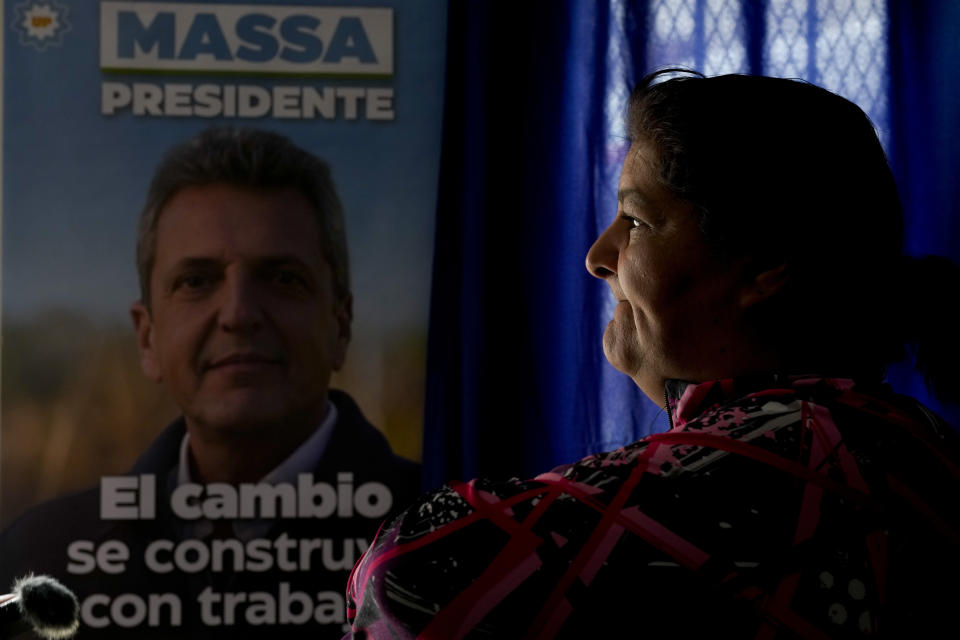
(780, 507)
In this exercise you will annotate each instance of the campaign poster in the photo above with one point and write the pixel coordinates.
(94, 93)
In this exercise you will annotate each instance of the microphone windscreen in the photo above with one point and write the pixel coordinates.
(51, 610)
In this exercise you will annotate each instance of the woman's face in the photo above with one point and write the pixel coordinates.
(679, 308)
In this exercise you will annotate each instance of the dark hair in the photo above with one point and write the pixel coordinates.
(786, 172)
(251, 158)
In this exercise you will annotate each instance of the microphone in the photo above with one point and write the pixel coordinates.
(42, 605)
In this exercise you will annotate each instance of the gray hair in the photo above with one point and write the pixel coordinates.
(251, 158)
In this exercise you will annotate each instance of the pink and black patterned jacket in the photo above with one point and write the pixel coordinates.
(797, 506)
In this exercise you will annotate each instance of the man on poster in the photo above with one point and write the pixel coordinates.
(245, 516)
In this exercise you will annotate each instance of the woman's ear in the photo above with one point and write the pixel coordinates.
(764, 284)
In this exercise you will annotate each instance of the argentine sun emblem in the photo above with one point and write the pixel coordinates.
(40, 24)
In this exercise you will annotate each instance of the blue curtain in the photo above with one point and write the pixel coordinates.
(533, 141)
(925, 145)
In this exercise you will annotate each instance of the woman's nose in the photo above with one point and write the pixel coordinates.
(603, 256)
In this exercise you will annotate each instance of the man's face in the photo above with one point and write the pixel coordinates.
(675, 301)
(244, 328)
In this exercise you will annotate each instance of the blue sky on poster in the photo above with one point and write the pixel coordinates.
(74, 178)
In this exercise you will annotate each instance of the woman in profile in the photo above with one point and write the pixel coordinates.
(761, 292)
